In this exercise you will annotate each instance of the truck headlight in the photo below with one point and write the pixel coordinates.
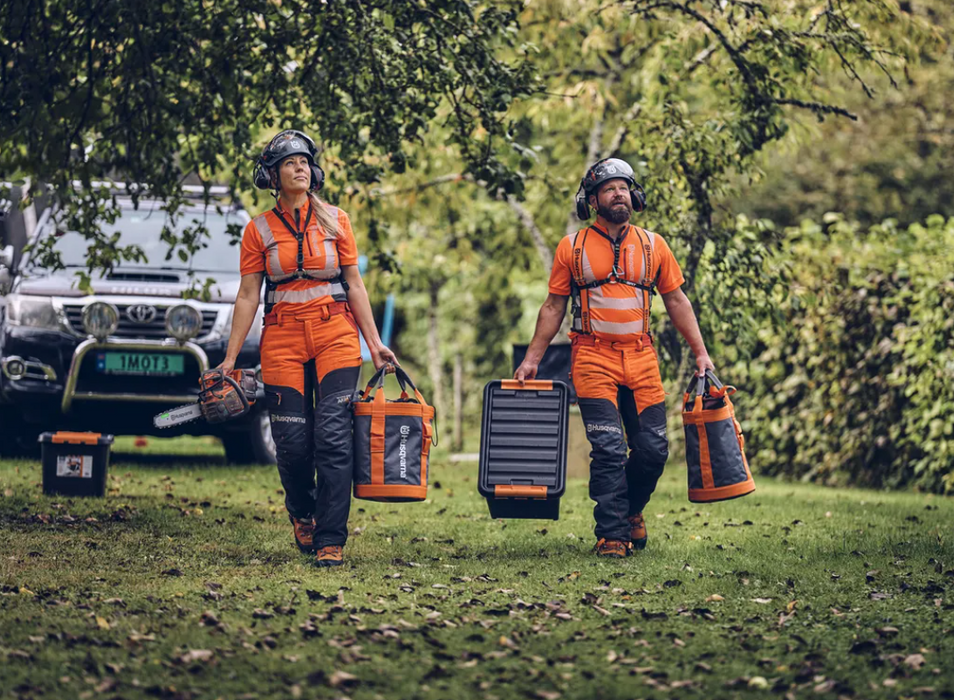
(100, 319)
(32, 311)
(183, 322)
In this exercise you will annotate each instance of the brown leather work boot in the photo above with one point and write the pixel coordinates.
(304, 533)
(614, 549)
(329, 555)
(638, 534)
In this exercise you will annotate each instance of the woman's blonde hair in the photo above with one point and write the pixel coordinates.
(325, 219)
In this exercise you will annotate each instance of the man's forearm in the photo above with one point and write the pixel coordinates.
(549, 321)
(684, 319)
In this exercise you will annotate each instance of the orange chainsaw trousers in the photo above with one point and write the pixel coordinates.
(622, 403)
(311, 365)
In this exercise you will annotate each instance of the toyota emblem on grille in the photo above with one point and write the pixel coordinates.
(141, 313)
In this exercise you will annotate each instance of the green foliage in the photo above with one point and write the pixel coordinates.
(895, 162)
(858, 383)
(150, 94)
(688, 93)
(183, 582)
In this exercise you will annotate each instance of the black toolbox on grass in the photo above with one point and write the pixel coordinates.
(523, 438)
(75, 464)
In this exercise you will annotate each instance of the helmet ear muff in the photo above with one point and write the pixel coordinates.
(260, 176)
(317, 177)
(638, 196)
(582, 206)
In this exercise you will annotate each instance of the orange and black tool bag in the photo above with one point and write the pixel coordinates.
(392, 442)
(715, 447)
(523, 438)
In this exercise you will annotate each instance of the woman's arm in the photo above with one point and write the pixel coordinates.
(361, 308)
(246, 306)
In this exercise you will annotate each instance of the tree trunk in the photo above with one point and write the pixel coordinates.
(458, 402)
(539, 242)
(434, 351)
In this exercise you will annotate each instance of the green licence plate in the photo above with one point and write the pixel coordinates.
(141, 363)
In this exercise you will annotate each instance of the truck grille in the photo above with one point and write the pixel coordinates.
(153, 330)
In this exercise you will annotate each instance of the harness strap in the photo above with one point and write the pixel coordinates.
(576, 269)
(629, 283)
(617, 276)
(300, 272)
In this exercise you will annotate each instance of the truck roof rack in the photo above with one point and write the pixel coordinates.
(126, 188)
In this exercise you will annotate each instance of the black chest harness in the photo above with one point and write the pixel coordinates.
(581, 300)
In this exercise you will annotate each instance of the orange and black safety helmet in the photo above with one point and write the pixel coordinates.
(290, 142)
(603, 171)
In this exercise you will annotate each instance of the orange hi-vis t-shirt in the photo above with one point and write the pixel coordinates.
(614, 312)
(270, 247)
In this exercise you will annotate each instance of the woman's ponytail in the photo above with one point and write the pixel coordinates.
(325, 218)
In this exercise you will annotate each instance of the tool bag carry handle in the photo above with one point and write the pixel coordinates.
(377, 382)
(715, 447)
(706, 391)
(404, 380)
(392, 441)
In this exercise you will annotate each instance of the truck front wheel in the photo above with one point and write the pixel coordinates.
(254, 445)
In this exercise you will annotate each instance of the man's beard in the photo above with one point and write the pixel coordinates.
(618, 213)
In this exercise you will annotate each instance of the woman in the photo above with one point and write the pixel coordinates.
(315, 302)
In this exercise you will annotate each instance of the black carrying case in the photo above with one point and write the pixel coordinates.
(75, 464)
(523, 439)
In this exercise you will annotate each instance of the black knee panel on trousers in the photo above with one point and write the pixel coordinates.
(333, 440)
(608, 485)
(292, 428)
(650, 444)
(649, 447)
(338, 380)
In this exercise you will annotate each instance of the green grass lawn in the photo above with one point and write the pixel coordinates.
(184, 583)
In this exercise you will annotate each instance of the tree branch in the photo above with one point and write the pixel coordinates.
(539, 242)
(817, 107)
(612, 151)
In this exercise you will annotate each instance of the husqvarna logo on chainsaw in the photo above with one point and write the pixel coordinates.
(402, 450)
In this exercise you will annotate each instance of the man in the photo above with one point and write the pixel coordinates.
(612, 270)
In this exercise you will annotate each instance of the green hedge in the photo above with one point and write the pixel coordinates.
(856, 385)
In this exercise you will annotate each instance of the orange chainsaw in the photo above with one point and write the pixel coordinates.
(222, 396)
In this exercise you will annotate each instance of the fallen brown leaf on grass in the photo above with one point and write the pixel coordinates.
(195, 655)
(547, 695)
(343, 679)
